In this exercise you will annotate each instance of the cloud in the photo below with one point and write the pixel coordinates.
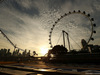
(28, 22)
(24, 7)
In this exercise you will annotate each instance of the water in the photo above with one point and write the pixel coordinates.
(35, 68)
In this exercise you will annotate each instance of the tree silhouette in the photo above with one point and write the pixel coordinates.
(73, 52)
(28, 54)
(59, 50)
(8, 53)
(34, 53)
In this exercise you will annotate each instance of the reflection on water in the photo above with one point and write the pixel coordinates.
(39, 68)
(43, 70)
(39, 74)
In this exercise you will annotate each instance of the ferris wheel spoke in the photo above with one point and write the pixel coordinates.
(59, 38)
(70, 27)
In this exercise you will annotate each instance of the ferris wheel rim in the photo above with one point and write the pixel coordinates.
(70, 13)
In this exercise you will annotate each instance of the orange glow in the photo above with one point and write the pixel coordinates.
(44, 50)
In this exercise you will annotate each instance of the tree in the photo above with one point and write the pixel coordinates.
(59, 50)
(34, 53)
(24, 53)
(8, 53)
(73, 52)
(28, 54)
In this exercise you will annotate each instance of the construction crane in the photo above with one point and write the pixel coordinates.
(10, 41)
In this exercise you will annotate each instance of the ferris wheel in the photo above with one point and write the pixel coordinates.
(72, 27)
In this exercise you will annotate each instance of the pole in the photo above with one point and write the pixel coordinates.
(68, 41)
(63, 37)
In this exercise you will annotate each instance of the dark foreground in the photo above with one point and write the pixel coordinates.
(41, 68)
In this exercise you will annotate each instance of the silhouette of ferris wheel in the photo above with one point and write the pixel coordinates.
(76, 24)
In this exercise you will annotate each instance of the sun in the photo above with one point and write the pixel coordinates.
(43, 50)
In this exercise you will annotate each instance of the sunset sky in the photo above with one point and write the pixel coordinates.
(27, 23)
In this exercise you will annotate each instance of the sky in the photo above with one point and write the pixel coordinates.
(27, 23)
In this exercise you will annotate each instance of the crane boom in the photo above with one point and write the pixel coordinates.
(10, 40)
(7, 38)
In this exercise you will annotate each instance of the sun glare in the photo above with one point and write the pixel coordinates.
(44, 50)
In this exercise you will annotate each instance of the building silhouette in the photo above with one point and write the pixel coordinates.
(90, 47)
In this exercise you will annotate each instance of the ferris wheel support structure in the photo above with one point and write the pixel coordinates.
(64, 32)
(66, 14)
